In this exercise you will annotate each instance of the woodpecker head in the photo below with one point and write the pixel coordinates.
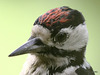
(57, 32)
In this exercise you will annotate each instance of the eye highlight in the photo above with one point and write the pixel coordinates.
(61, 37)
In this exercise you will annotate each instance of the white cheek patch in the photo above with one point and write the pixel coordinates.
(42, 33)
(78, 38)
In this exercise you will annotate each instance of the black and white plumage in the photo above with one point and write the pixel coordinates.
(57, 45)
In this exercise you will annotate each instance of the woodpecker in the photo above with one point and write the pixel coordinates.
(57, 44)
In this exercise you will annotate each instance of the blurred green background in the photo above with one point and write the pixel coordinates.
(16, 21)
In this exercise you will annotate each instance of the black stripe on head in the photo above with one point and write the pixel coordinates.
(58, 18)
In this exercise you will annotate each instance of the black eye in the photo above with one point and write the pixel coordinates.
(61, 37)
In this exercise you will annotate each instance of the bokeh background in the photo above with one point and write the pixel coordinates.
(16, 21)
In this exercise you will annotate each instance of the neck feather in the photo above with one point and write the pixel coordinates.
(55, 61)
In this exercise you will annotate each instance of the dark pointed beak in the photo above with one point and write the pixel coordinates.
(33, 45)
